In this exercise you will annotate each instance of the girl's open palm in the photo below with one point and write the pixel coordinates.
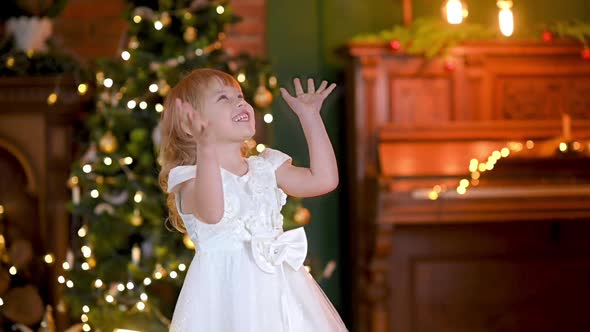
(310, 101)
(196, 125)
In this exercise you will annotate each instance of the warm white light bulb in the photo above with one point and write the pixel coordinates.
(140, 306)
(268, 118)
(454, 10)
(49, 258)
(506, 22)
(82, 231)
(505, 17)
(86, 251)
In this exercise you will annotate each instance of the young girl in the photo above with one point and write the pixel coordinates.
(247, 274)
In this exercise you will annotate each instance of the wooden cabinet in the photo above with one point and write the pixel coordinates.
(37, 147)
(509, 254)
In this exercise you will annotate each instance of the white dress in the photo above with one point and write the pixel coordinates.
(247, 274)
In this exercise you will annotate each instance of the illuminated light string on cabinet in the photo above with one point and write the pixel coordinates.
(477, 167)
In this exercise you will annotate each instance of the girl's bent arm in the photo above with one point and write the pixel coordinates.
(203, 195)
(322, 175)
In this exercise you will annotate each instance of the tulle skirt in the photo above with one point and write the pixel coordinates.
(225, 291)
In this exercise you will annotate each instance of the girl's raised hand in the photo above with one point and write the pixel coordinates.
(310, 101)
(196, 125)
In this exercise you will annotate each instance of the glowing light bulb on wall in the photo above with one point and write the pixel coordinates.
(505, 17)
(454, 11)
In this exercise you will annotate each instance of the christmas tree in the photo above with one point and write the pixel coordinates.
(125, 268)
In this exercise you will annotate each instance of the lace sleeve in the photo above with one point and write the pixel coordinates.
(180, 174)
(275, 157)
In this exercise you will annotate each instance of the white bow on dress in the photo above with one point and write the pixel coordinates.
(270, 250)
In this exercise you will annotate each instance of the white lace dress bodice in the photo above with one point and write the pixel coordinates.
(252, 203)
(247, 273)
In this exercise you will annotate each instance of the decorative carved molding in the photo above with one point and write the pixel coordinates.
(32, 182)
(543, 97)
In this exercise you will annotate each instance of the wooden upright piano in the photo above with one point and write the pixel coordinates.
(469, 190)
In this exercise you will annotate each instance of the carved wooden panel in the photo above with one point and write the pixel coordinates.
(542, 97)
(420, 100)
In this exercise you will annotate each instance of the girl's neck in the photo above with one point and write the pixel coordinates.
(229, 157)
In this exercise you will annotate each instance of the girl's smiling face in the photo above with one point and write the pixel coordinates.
(228, 114)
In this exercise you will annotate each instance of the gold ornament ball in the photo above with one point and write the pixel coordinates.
(136, 219)
(72, 182)
(262, 97)
(190, 34)
(165, 19)
(108, 143)
(302, 216)
(188, 242)
(133, 43)
(163, 88)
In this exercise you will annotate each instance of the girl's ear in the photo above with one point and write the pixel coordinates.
(185, 124)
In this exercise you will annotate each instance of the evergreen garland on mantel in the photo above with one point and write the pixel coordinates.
(432, 37)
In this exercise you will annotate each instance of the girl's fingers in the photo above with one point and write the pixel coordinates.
(310, 86)
(326, 92)
(286, 95)
(323, 85)
(298, 88)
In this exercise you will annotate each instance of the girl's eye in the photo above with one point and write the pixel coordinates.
(222, 97)
(240, 96)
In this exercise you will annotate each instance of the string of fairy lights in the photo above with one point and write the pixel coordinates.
(478, 167)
